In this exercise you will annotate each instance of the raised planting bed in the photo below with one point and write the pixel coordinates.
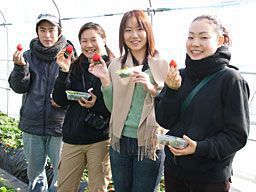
(12, 183)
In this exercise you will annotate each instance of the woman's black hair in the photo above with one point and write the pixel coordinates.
(218, 26)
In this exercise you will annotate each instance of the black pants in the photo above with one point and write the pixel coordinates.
(173, 184)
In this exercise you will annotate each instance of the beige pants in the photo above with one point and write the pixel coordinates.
(74, 159)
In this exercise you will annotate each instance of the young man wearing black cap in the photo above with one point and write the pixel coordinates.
(33, 75)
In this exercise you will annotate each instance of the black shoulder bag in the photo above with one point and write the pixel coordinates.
(202, 83)
(93, 120)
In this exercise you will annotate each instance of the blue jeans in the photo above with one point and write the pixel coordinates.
(36, 149)
(131, 175)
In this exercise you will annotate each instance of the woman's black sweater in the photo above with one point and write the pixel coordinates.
(217, 118)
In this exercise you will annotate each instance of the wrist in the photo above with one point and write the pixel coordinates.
(22, 64)
(64, 70)
(153, 90)
(105, 81)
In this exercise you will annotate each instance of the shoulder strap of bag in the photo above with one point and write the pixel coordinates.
(203, 82)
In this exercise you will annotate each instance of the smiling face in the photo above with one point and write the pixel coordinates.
(91, 42)
(135, 37)
(203, 40)
(48, 33)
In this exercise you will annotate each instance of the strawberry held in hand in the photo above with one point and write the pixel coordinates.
(96, 58)
(173, 64)
(68, 51)
(19, 47)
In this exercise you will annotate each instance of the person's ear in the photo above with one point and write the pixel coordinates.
(220, 40)
(59, 32)
(104, 41)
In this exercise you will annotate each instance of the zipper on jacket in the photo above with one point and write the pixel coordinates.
(175, 160)
(46, 92)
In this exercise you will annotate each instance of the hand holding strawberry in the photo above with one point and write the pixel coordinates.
(173, 79)
(18, 58)
(100, 71)
(63, 62)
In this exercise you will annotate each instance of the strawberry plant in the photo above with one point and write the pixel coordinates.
(4, 188)
(10, 134)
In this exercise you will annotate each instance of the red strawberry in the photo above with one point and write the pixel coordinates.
(68, 51)
(173, 64)
(19, 47)
(96, 58)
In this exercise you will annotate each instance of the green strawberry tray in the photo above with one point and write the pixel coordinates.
(76, 95)
(175, 142)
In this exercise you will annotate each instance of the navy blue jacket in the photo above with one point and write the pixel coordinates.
(36, 81)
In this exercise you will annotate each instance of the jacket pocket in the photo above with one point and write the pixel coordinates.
(57, 114)
(195, 164)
